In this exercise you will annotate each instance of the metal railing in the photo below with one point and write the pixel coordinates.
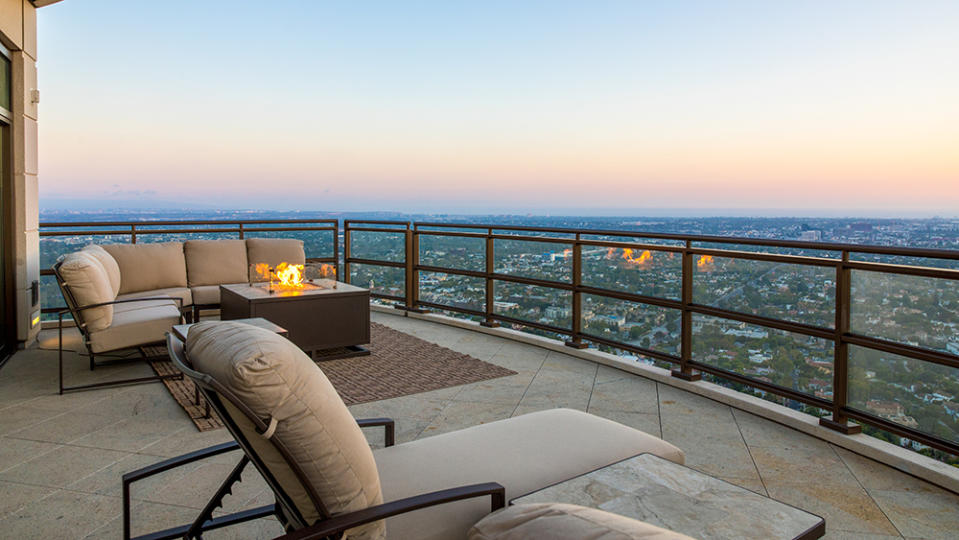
(406, 263)
(688, 248)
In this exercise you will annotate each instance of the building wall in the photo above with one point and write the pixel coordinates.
(18, 31)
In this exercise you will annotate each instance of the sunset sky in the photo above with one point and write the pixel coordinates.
(799, 108)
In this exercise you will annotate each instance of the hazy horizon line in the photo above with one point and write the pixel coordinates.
(91, 205)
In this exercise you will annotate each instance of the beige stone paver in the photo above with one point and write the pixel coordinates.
(61, 457)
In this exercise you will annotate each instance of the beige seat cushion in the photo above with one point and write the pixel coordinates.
(212, 262)
(109, 264)
(182, 293)
(147, 267)
(90, 284)
(558, 521)
(207, 295)
(138, 324)
(273, 251)
(275, 379)
(524, 454)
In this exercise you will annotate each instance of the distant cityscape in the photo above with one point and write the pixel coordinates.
(922, 312)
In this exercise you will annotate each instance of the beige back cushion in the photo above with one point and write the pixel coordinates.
(215, 262)
(145, 267)
(89, 283)
(109, 264)
(273, 251)
(558, 521)
(275, 379)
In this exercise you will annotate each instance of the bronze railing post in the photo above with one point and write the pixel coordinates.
(336, 250)
(840, 372)
(133, 234)
(577, 308)
(685, 372)
(412, 273)
(346, 252)
(489, 322)
(240, 230)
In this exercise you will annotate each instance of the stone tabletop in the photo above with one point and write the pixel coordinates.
(662, 493)
(183, 330)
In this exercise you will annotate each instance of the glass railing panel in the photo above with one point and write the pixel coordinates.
(773, 250)
(453, 290)
(792, 292)
(927, 262)
(387, 280)
(532, 303)
(50, 297)
(539, 260)
(316, 244)
(52, 247)
(637, 271)
(632, 323)
(632, 239)
(913, 310)
(913, 393)
(463, 253)
(792, 360)
(378, 246)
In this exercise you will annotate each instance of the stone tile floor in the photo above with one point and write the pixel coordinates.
(61, 457)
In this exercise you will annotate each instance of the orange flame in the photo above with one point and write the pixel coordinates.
(290, 275)
(610, 253)
(287, 275)
(327, 271)
(643, 258)
(262, 271)
(566, 252)
(705, 262)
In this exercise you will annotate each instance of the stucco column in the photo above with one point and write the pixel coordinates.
(18, 25)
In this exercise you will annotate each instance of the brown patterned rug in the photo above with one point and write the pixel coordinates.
(398, 365)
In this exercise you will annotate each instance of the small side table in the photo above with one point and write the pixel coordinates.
(659, 492)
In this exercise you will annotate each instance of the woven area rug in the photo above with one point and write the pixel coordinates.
(398, 365)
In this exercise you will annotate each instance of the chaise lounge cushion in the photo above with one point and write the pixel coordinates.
(212, 262)
(524, 454)
(148, 267)
(276, 380)
(136, 323)
(273, 251)
(109, 264)
(558, 521)
(89, 283)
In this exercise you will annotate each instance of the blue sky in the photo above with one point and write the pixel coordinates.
(821, 107)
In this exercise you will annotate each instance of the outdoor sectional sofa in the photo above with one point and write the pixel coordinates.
(195, 269)
(128, 295)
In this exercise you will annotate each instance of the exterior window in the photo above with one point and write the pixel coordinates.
(5, 84)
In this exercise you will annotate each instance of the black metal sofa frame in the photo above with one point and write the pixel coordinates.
(76, 312)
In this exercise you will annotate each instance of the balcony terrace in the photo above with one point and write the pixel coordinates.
(61, 456)
(797, 344)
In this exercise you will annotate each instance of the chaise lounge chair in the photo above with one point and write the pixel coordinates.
(289, 422)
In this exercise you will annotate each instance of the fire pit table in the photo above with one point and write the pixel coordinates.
(318, 316)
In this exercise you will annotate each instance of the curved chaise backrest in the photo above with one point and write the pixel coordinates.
(288, 418)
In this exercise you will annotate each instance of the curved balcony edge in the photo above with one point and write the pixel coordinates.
(915, 464)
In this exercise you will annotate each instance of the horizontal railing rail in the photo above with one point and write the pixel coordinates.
(390, 258)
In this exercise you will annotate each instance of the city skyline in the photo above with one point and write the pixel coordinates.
(627, 108)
